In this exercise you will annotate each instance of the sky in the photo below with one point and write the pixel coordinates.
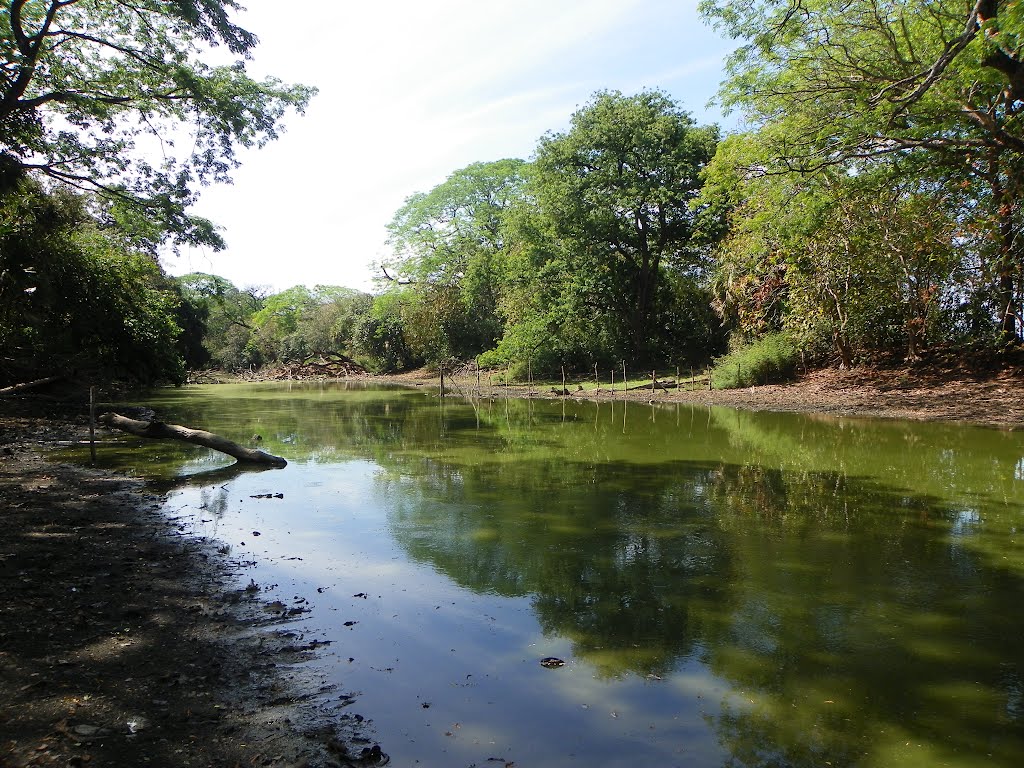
(412, 91)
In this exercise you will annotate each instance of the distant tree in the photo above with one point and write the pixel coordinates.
(228, 331)
(861, 262)
(380, 335)
(449, 243)
(89, 89)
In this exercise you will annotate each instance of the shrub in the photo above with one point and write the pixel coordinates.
(771, 358)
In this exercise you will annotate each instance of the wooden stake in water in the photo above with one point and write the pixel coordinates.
(654, 379)
(92, 424)
(442, 381)
(597, 379)
(563, 380)
(624, 387)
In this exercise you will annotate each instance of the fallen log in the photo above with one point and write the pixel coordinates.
(15, 388)
(160, 431)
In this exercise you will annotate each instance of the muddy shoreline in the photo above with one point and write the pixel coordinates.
(995, 400)
(124, 642)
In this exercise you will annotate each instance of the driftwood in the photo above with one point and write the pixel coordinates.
(159, 430)
(666, 385)
(15, 388)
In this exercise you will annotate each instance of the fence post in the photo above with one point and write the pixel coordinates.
(92, 424)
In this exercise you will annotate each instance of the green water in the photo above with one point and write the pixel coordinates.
(727, 588)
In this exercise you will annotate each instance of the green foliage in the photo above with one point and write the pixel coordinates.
(228, 333)
(76, 297)
(769, 359)
(379, 335)
(831, 86)
(89, 86)
(855, 262)
(620, 191)
(450, 245)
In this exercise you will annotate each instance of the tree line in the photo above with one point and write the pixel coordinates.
(870, 208)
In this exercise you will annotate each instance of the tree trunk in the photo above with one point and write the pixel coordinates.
(845, 352)
(15, 388)
(159, 430)
(1006, 267)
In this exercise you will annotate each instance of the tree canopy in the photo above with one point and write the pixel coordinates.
(619, 188)
(854, 84)
(91, 91)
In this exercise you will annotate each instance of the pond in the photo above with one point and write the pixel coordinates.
(724, 587)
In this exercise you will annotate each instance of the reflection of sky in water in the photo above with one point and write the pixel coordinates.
(420, 639)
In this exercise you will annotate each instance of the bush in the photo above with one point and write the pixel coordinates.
(771, 358)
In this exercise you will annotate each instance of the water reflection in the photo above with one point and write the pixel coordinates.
(856, 584)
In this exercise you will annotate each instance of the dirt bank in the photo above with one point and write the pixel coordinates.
(903, 393)
(125, 643)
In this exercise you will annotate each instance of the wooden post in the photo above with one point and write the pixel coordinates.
(613, 379)
(508, 375)
(654, 378)
(478, 377)
(564, 390)
(624, 387)
(92, 424)
(677, 378)
(529, 376)
(442, 381)
(597, 379)
(691, 379)
(709, 379)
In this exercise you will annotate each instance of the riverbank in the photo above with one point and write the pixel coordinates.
(124, 642)
(995, 400)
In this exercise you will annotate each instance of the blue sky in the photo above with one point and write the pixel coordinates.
(412, 91)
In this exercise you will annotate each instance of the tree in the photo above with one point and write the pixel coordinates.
(851, 261)
(448, 243)
(76, 296)
(90, 88)
(228, 317)
(380, 335)
(619, 187)
(830, 83)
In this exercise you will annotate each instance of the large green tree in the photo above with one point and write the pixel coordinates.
(835, 82)
(619, 188)
(92, 90)
(448, 245)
